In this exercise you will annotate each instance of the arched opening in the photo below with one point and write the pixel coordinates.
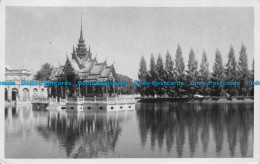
(35, 93)
(25, 94)
(15, 93)
(6, 95)
(42, 94)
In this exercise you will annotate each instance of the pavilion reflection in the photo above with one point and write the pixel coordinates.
(181, 130)
(196, 125)
(84, 135)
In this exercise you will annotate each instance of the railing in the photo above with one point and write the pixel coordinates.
(110, 100)
(44, 100)
(72, 99)
(80, 100)
(89, 99)
(53, 100)
(63, 101)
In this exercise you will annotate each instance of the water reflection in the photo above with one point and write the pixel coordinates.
(95, 132)
(177, 124)
(154, 130)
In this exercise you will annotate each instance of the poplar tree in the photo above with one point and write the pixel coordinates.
(142, 75)
(159, 75)
(169, 75)
(192, 72)
(180, 71)
(252, 73)
(204, 74)
(231, 72)
(243, 71)
(218, 74)
(152, 76)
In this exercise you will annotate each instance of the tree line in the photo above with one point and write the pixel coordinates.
(175, 70)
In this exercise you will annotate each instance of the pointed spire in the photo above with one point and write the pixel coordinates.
(81, 34)
(89, 48)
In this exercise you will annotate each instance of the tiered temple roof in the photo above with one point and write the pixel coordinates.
(82, 64)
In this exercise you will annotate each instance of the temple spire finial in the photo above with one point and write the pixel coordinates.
(81, 34)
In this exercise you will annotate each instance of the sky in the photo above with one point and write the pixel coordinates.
(36, 35)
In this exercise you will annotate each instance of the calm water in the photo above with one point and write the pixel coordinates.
(153, 130)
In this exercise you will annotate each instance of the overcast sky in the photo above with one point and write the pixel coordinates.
(36, 35)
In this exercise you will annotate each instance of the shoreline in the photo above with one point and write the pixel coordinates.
(198, 100)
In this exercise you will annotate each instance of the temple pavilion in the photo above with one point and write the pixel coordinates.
(82, 67)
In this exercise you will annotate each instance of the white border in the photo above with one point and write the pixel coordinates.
(137, 3)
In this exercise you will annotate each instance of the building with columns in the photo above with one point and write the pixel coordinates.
(22, 92)
(81, 66)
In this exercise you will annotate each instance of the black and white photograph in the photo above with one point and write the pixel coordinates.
(128, 81)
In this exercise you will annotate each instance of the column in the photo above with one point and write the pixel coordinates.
(9, 93)
(113, 86)
(50, 88)
(62, 91)
(86, 91)
(79, 94)
(20, 93)
(65, 90)
(56, 90)
(31, 93)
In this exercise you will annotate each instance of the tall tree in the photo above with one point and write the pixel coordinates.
(192, 72)
(152, 76)
(204, 74)
(169, 75)
(218, 74)
(231, 72)
(180, 70)
(159, 75)
(142, 75)
(243, 70)
(44, 73)
(252, 73)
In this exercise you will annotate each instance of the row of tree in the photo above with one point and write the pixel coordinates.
(174, 70)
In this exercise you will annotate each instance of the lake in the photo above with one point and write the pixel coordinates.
(161, 130)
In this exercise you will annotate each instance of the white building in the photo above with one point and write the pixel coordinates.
(22, 92)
